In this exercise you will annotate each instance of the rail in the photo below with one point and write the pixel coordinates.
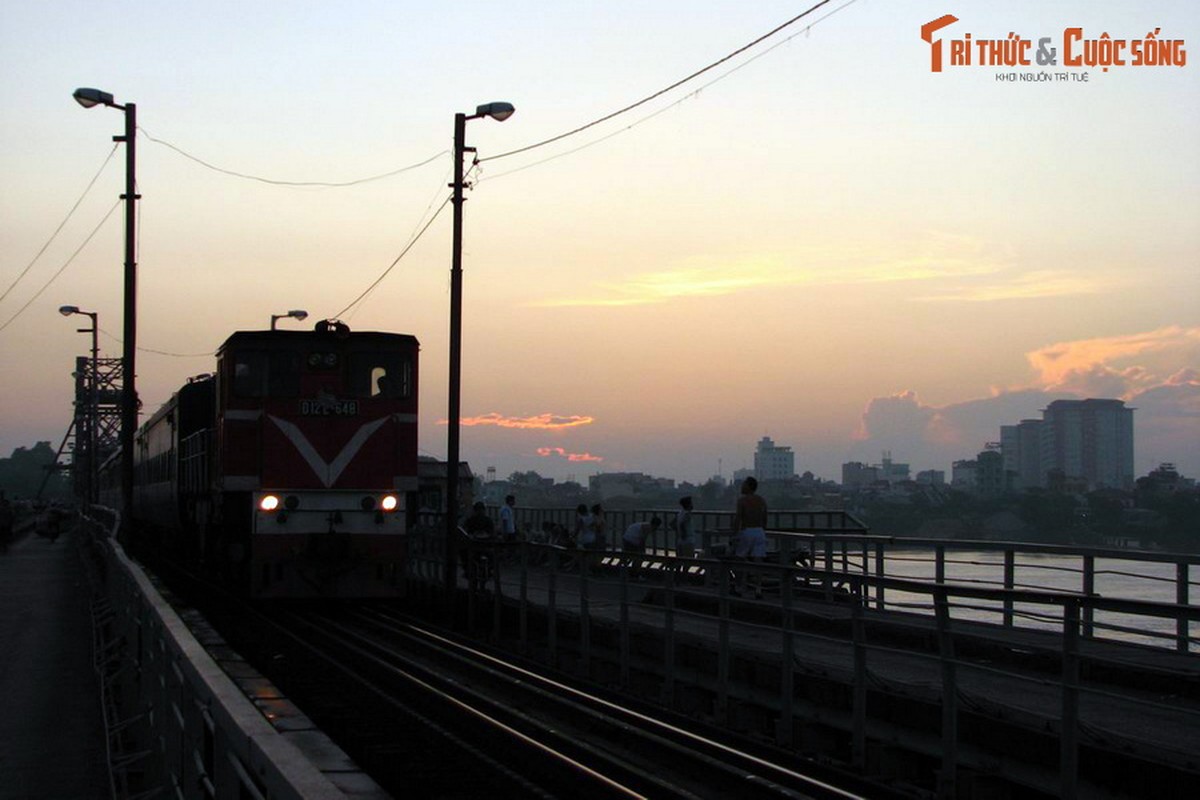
(177, 723)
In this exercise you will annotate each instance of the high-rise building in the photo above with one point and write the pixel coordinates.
(773, 463)
(1091, 440)
(1021, 446)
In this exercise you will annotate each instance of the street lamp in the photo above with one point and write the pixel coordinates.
(295, 313)
(498, 112)
(94, 399)
(129, 403)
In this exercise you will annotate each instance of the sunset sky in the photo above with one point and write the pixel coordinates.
(820, 240)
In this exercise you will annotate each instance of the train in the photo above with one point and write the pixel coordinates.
(292, 470)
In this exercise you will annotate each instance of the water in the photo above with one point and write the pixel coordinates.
(1114, 578)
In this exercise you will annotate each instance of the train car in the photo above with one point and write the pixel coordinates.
(292, 470)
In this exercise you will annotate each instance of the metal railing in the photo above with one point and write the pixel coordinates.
(173, 716)
(845, 574)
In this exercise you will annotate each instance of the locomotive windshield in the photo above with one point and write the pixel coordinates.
(266, 373)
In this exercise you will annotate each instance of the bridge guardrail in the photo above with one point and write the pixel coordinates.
(173, 715)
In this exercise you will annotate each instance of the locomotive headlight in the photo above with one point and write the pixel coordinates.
(268, 503)
(389, 502)
(367, 503)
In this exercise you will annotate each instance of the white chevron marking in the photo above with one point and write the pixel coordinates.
(327, 472)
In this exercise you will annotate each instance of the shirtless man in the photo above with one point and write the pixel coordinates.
(749, 527)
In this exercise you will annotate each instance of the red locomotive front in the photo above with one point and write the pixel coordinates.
(316, 459)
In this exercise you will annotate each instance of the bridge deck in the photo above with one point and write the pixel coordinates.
(52, 735)
(1134, 698)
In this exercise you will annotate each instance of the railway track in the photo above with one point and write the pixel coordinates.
(491, 724)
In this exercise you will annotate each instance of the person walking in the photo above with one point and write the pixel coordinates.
(750, 532)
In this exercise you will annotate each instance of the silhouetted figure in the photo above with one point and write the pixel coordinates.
(750, 531)
(508, 521)
(479, 529)
(600, 539)
(685, 545)
(634, 540)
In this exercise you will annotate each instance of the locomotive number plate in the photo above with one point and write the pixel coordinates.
(329, 408)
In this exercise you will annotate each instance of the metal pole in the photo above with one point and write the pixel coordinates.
(455, 388)
(129, 402)
(94, 416)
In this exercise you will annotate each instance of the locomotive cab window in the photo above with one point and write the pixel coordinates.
(387, 375)
(270, 373)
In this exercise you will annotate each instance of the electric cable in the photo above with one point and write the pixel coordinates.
(140, 349)
(689, 96)
(273, 182)
(391, 266)
(91, 183)
(662, 91)
(66, 264)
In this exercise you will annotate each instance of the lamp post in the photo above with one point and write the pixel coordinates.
(93, 398)
(129, 403)
(498, 112)
(295, 313)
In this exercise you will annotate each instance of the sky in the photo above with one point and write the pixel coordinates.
(821, 240)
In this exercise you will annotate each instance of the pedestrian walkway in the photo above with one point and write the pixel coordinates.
(52, 738)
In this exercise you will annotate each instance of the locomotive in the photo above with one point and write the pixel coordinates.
(292, 470)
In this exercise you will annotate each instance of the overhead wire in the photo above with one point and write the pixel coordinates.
(66, 264)
(689, 96)
(61, 225)
(662, 91)
(396, 261)
(140, 349)
(274, 182)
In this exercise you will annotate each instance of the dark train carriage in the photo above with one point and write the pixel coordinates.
(297, 477)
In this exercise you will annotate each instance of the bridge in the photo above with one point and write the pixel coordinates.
(930, 667)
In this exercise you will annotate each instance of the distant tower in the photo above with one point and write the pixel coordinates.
(491, 474)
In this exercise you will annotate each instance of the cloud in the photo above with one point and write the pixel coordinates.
(938, 256)
(539, 422)
(561, 453)
(1106, 366)
(1027, 286)
(1155, 372)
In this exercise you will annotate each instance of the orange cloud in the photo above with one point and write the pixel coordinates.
(561, 453)
(542, 422)
(1090, 365)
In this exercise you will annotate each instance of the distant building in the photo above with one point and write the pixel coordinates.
(1021, 446)
(931, 477)
(1090, 440)
(962, 475)
(626, 484)
(740, 475)
(891, 471)
(857, 475)
(772, 462)
(989, 473)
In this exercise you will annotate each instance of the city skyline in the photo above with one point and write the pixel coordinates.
(823, 241)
